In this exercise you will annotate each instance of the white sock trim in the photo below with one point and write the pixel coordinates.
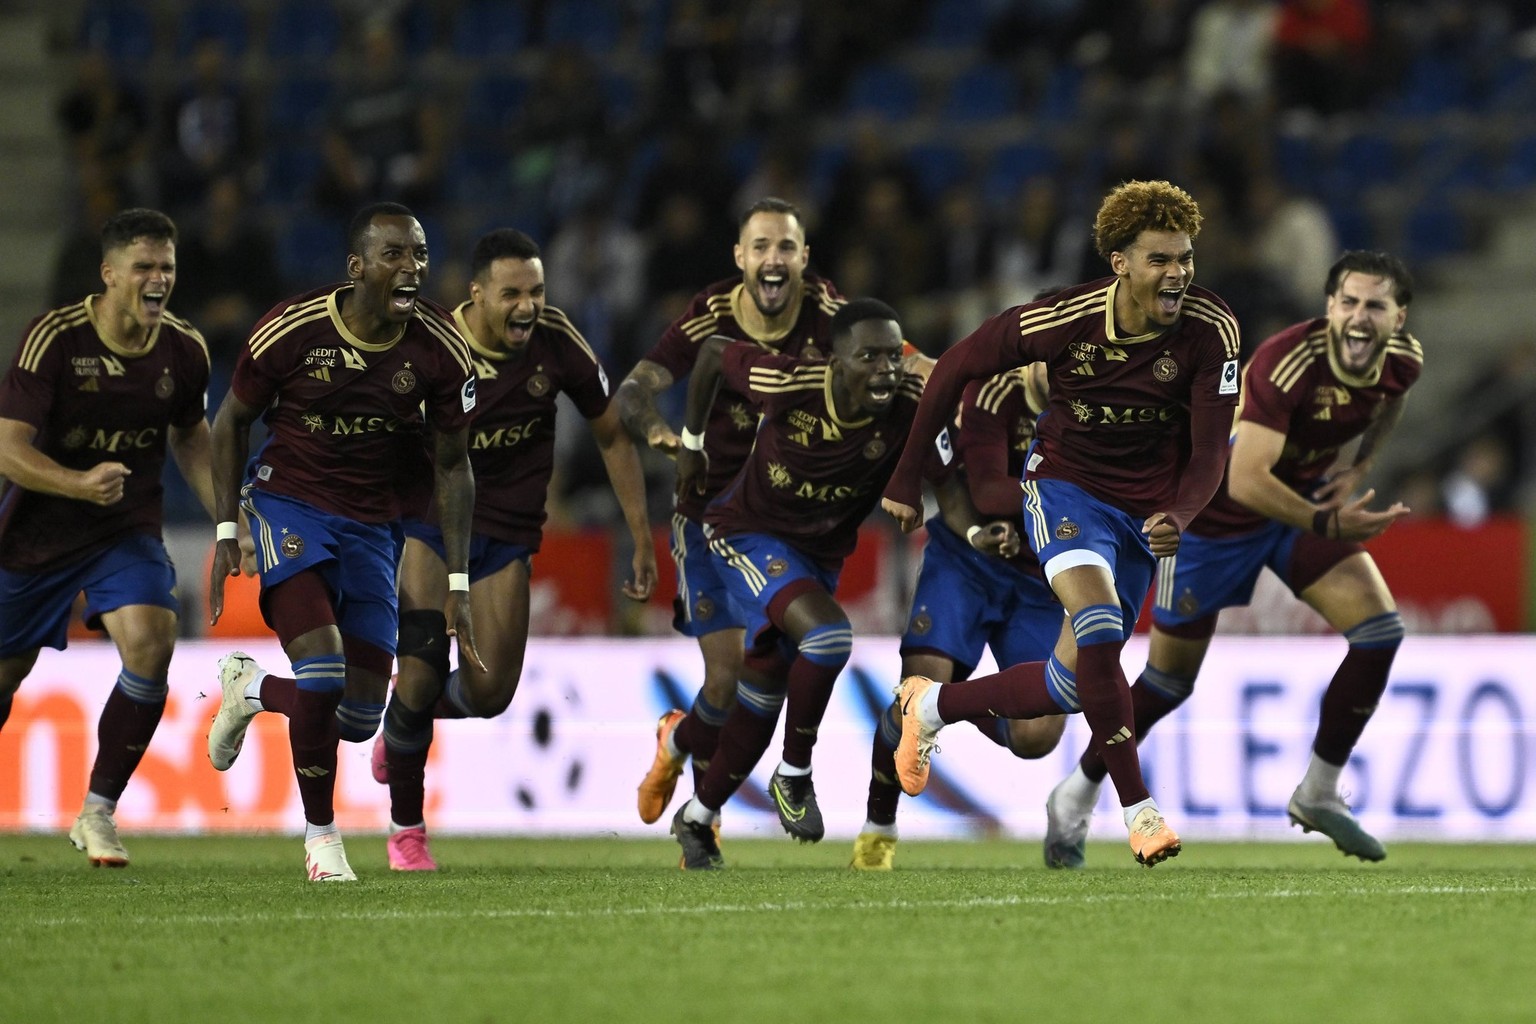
(1136, 808)
(928, 709)
(792, 770)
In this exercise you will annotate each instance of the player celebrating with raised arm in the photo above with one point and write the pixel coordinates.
(350, 380)
(97, 392)
(1308, 392)
(780, 306)
(830, 436)
(525, 354)
(1143, 375)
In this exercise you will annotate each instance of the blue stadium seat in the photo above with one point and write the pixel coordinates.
(885, 90)
(489, 28)
(956, 23)
(312, 251)
(1446, 163)
(1361, 160)
(121, 29)
(1296, 160)
(216, 19)
(594, 25)
(493, 102)
(1435, 83)
(939, 167)
(1434, 229)
(1517, 170)
(1059, 102)
(297, 107)
(1012, 165)
(981, 93)
(303, 30)
(1352, 225)
(290, 172)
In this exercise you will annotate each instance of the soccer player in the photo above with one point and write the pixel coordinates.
(830, 435)
(1308, 392)
(978, 587)
(97, 392)
(525, 353)
(1143, 374)
(782, 307)
(351, 380)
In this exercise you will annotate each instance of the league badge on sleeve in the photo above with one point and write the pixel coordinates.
(946, 452)
(1229, 378)
(467, 394)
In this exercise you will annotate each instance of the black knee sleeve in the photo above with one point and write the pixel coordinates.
(424, 634)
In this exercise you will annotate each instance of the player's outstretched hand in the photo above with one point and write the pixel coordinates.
(460, 625)
(1352, 521)
(1162, 535)
(905, 515)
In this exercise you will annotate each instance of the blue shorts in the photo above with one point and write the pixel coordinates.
(487, 556)
(1209, 574)
(1067, 527)
(966, 600)
(35, 607)
(703, 602)
(358, 561)
(755, 567)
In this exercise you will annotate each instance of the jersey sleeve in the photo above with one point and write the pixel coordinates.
(676, 350)
(26, 393)
(757, 373)
(981, 445)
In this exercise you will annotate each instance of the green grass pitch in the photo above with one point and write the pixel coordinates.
(225, 929)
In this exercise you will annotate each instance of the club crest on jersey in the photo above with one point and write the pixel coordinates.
(292, 546)
(1188, 604)
(921, 623)
(704, 609)
(538, 385)
(874, 449)
(165, 386)
(1165, 369)
(777, 567)
(1067, 530)
(76, 438)
(404, 382)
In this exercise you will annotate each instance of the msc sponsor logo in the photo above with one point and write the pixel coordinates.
(504, 437)
(342, 426)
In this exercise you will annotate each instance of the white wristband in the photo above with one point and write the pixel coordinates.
(459, 581)
(693, 442)
(970, 535)
(226, 531)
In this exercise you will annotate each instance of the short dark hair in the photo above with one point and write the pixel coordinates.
(770, 204)
(501, 244)
(1377, 264)
(1136, 206)
(125, 227)
(856, 311)
(357, 231)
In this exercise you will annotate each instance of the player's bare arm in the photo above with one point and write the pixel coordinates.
(703, 385)
(229, 446)
(192, 448)
(454, 486)
(636, 399)
(26, 467)
(628, 481)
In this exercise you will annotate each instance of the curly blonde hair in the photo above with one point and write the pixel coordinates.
(1136, 206)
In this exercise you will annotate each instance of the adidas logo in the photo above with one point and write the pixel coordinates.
(314, 772)
(1119, 737)
(321, 373)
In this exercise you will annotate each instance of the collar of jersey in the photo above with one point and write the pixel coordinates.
(333, 306)
(1109, 321)
(112, 346)
(761, 328)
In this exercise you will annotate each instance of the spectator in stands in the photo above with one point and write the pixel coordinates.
(561, 137)
(1292, 236)
(1479, 484)
(1321, 54)
(1229, 51)
(206, 132)
(105, 120)
(1040, 243)
(598, 264)
(384, 135)
(77, 270)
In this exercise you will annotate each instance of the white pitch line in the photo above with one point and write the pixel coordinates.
(661, 910)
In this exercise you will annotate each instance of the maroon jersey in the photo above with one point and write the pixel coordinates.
(1293, 385)
(996, 428)
(812, 477)
(347, 421)
(725, 308)
(512, 441)
(94, 402)
(1139, 422)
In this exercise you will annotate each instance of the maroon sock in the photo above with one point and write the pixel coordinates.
(122, 735)
(408, 786)
(810, 690)
(743, 740)
(1106, 700)
(1016, 692)
(278, 693)
(884, 790)
(1350, 700)
(1148, 707)
(313, 737)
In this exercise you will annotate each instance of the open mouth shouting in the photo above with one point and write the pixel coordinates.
(772, 290)
(154, 304)
(1357, 346)
(1169, 300)
(880, 392)
(402, 300)
(519, 330)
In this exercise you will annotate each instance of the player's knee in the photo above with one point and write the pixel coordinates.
(1035, 738)
(357, 721)
(423, 634)
(1380, 632)
(828, 645)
